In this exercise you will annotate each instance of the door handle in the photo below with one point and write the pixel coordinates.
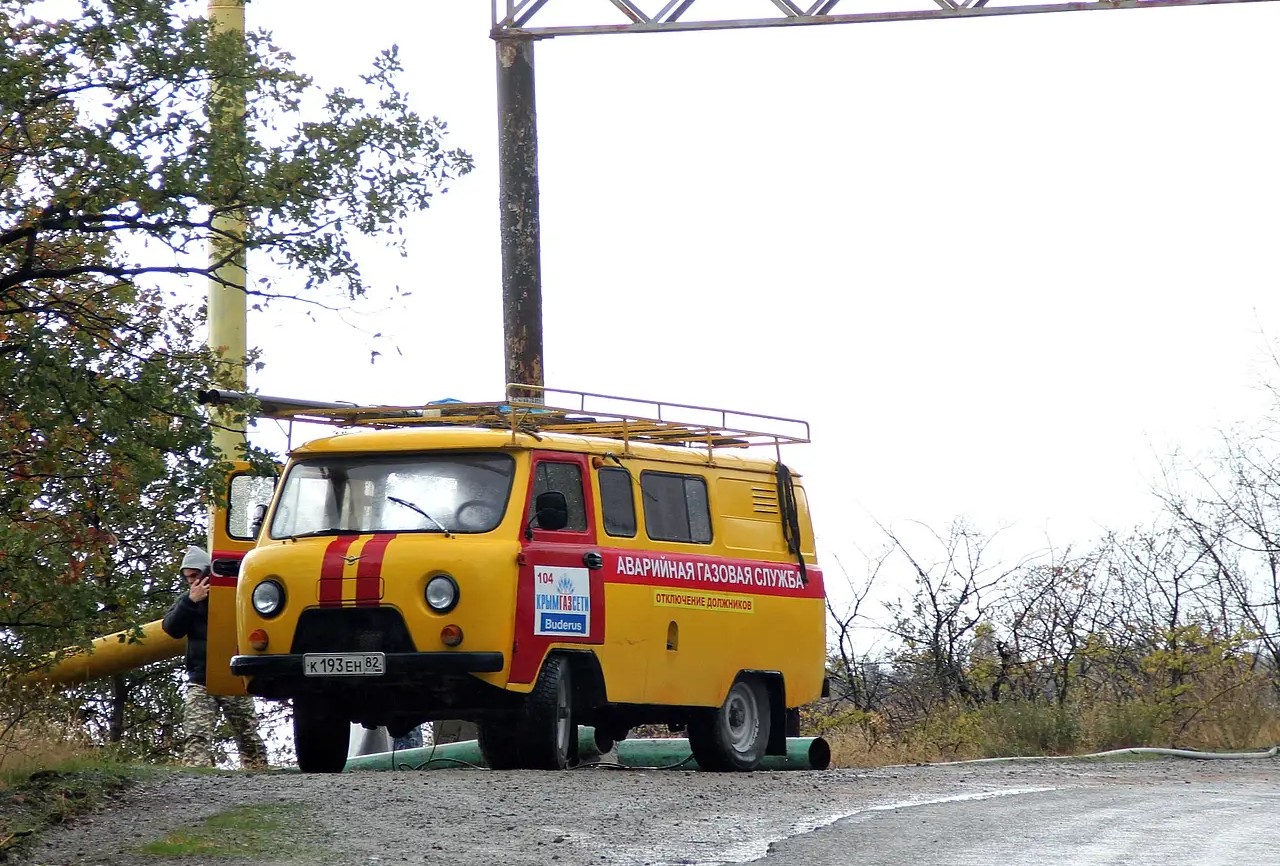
(592, 559)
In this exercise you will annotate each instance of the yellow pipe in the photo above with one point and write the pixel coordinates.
(228, 316)
(109, 655)
(228, 305)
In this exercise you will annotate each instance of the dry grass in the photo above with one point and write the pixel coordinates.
(1264, 731)
(42, 751)
(31, 741)
(955, 734)
(851, 747)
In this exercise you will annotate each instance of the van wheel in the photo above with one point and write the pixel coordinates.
(321, 737)
(733, 737)
(498, 744)
(549, 735)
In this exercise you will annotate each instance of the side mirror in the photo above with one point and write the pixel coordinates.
(259, 516)
(550, 511)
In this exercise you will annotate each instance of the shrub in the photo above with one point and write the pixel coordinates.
(1017, 728)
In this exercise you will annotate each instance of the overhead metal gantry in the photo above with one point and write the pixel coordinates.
(518, 24)
(534, 18)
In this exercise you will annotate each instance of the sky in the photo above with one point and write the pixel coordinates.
(1003, 267)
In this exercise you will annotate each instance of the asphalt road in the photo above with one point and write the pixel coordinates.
(1205, 824)
(1169, 812)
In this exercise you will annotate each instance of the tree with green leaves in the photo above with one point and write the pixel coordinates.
(111, 193)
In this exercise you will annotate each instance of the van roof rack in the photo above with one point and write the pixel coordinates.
(534, 409)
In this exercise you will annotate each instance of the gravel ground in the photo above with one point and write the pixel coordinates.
(576, 818)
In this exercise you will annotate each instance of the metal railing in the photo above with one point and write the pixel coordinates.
(536, 410)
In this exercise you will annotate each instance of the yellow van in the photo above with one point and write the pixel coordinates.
(532, 568)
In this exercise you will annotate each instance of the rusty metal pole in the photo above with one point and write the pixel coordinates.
(518, 204)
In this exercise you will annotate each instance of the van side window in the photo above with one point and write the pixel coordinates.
(567, 478)
(675, 507)
(617, 503)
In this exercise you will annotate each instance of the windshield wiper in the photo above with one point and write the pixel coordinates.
(407, 504)
(333, 530)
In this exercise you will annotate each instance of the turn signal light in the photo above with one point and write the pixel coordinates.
(258, 639)
(451, 635)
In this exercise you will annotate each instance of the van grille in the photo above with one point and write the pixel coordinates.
(379, 629)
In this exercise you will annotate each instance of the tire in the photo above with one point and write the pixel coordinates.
(498, 744)
(547, 733)
(733, 737)
(320, 737)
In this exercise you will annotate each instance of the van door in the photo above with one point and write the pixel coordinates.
(234, 532)
(560, 590)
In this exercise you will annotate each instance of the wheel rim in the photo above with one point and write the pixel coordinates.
(740, 718)
(563, 726)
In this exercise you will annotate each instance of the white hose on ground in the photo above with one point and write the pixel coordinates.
(1140, 750)
(1188, 753)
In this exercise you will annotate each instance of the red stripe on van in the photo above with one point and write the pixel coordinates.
(330, 592)
(369, 571)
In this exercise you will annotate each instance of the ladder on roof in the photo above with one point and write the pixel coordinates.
(535, 410)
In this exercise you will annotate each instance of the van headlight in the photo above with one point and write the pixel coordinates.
(268, 598)
(442, 593)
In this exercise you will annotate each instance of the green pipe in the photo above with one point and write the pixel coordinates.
(462, 754)
(803, 753)
(465, 753)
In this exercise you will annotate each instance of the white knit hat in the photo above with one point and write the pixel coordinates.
(196, 558)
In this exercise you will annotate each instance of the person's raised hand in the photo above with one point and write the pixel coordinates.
(199, 590)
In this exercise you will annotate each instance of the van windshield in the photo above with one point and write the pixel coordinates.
(444, 493)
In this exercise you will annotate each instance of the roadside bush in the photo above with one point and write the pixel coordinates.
(1017, 728)
(1126, 725)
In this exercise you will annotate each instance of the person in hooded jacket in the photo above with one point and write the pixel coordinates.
(189, 618)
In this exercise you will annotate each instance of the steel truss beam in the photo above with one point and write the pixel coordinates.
(531, 18)
(518, 24)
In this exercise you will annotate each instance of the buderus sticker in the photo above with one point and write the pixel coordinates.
(561, 601)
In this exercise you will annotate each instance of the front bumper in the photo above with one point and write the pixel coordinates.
(398, 665)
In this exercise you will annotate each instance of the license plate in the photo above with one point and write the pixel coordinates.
(344, 664)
